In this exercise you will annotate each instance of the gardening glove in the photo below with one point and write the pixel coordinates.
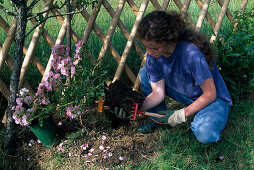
(119, 112)
(177, 117)
(167, 114)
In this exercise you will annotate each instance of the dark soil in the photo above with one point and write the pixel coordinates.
(122, 140)
(121, 96)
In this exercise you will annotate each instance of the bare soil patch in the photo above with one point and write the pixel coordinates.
(123, 146)
(96, 140)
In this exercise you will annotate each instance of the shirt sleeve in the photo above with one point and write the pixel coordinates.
(200, 70)
(153, 69)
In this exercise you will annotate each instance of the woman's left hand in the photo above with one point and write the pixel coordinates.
(177, 117)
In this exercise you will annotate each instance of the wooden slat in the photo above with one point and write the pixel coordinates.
(7, 44)
(6, 92)
(32, 46)
(60, 38)
(90, 23)
(220, 19)
(208, 16)
(228, 13)
(185, 8)
(111, 29)
(26, 84)
(4, 24)
(133, 6)
(3, 88)
(156, 4)
(59, 41)
(202, 15)
(165, 5)
(130, 40)
(45, 34)
(187, 16)
(135, 10)
(36, 62)
(123, 28)
(243, 5)
(61, 20)
(242, 8)
(112, 50)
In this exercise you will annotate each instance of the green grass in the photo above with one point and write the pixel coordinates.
(182, 151)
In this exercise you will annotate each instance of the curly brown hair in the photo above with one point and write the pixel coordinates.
(166, 27)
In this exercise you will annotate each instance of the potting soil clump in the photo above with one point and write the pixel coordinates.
(121, 96)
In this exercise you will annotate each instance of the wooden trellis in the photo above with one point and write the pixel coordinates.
(106, 39)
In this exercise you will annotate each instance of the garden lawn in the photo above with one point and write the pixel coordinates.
(110, 142)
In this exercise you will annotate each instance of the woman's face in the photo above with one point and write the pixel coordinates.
(156, 49)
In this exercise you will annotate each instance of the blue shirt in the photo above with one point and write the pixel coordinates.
(185, 70)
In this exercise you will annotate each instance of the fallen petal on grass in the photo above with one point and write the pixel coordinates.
(144, 156)
(103, 137)
(221, 157)
(60, 149)
(101, 147)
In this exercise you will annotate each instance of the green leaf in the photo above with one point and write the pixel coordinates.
(1, 1)
(102, 94)
(235, 54)
(41, 18)
(224, 58)
(73, 136)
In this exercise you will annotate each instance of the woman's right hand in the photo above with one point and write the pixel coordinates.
(119, 112)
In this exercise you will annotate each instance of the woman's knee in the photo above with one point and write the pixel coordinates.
(142, 74)
(210, 121)
(204, 134)
(144, 82)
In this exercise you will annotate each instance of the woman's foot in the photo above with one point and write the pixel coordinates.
(150, 127)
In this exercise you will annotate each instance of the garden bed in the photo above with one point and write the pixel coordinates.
(94, 140)
(99, 140)
(100, 144)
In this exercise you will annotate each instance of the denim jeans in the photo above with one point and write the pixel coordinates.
(207, 124)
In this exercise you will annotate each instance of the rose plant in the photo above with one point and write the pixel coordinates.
(51, 93)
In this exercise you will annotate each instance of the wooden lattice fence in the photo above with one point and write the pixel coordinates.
(139, 11)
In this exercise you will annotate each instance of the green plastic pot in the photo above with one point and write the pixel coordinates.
(48, 134)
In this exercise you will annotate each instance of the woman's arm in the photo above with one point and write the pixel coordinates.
(156, 97)
(208, 96)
